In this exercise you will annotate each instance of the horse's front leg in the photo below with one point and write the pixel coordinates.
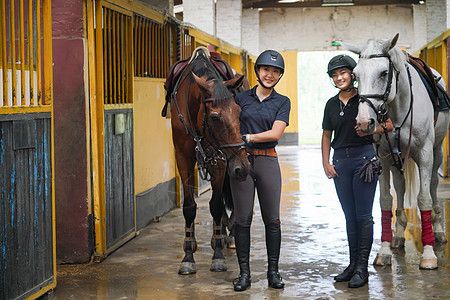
(384, 255)
(429, 259)
(436, 215)
(216, 207)
(186, 170)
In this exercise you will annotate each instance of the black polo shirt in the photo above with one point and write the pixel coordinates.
(343, 126)
(259, 116)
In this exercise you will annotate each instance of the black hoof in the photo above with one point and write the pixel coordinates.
(218, 265)
(187, 268)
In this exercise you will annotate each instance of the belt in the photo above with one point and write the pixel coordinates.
(264, 152)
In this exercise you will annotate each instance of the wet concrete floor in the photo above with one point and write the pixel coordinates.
(314, 249)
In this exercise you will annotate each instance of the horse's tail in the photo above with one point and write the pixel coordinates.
(226, 191)
(412, 183)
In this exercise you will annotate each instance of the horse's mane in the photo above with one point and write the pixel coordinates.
(202, 66)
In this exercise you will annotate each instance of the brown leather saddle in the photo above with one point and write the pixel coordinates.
(173, 75)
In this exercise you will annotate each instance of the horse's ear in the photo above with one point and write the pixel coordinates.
(389, 44)
(202, 83)
(234, 84)
(351, 48)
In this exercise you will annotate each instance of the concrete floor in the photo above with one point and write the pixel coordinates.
(314, 249)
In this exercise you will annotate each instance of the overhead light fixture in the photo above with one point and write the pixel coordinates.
(337, 2)
(288, 1)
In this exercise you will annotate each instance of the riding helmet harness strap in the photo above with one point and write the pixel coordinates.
(398, 161)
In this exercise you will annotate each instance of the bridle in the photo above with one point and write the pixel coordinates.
(381, 113)
(210, 152)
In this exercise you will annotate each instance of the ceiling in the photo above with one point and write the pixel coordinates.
(318, 3)
(313, 3)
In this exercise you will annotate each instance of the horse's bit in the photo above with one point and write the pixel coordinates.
(381, 113)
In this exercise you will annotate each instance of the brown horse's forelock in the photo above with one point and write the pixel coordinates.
(221, 93)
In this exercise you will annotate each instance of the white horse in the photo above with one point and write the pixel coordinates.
(387, 83)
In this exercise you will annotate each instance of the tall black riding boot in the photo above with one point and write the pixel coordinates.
(242, 236)
(361, 276)
(352, 238)
(273, 244)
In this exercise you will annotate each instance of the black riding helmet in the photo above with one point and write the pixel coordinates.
(269, 58)
(341, 61)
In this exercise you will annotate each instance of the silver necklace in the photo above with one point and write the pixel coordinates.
(341, 106)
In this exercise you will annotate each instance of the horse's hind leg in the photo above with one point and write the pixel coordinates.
(384, 255)
(228, 224)
(439, 234)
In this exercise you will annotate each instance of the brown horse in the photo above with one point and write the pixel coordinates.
(205, 129)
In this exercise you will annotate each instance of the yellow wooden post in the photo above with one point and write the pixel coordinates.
(3, 49)
(98, 137)
(30, 50)
(21, 51)
(12, 49)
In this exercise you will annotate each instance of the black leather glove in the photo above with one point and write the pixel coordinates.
(369, 169)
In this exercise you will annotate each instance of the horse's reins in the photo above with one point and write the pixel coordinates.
(203, 159)
(382, 112)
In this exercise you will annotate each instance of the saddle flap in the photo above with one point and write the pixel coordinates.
(425, 70)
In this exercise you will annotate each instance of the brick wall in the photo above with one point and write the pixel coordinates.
(200, 13)
(228, 18)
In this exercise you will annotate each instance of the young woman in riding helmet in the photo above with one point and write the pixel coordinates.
(352, 149)
(264, 116)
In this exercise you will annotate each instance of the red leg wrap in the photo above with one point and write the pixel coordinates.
(386, 229)
(427, 228)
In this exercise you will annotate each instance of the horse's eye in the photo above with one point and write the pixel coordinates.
(214, 116)
(384, 73)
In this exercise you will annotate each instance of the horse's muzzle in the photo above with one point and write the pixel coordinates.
(366, 126)
(238, 168)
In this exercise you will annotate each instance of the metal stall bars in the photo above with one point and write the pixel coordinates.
(27, 215)
(112, 121)
(153, 43)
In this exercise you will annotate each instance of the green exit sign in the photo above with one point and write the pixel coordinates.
(334, 43)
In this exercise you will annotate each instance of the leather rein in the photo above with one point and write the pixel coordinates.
(206, 154)
(398, 161)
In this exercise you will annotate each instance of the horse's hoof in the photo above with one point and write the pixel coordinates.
(218, 265)
(439, 237)
(398, 243)
(231, 244)
(382, 260)
(428, 264)
(187, 268)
